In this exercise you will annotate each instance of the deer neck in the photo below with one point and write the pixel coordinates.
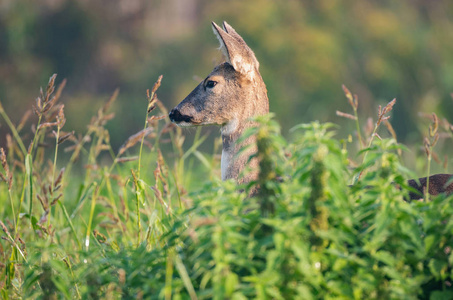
(232, 164)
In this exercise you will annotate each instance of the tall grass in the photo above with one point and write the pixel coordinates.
(133, 228)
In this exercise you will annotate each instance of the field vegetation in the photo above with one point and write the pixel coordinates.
(152, 220)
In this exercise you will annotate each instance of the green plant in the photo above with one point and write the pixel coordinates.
(127, 230)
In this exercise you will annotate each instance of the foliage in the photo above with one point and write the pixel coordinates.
(125, 230)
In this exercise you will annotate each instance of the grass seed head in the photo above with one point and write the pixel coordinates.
(384, 111)
(8, 178)
(427, 146)
(59, 177)
(65, 136)
(353, 100)
(434, 126)
(61, 120)
(54, 201)
(4, 228)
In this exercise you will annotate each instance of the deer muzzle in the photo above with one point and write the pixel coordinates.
(177, 117)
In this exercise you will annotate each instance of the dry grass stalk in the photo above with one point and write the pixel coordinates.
(44, 102)
(429, 143)
(97, 122)
(369, 126)
(59, 178)
(4, 228)
(134, 139)
(8, 177)
(152, 99)
(436, 158)
(381, 118)
(11, 240)
(345, 115)
(352, 99)
(152, 119)
(382, 112)
(52, 114)
(47, 124)
(390, 129)
(204, 221)
(24, 120)
(126, 159)
(43, 201)
(99, 236)
(158, 177)
(61, 120)
(168, 127)
(43, 218)
(434, 125)
(393, 133)
(164, 171)
(64, 137)
(107, 105)
(123, 208)
(354, 102)
(92, 167)
(433, 137)
(448, 127)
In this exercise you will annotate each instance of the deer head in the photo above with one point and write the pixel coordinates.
(233, 92)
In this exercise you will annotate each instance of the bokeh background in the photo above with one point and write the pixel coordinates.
(307, 49)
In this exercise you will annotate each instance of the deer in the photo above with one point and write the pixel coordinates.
(232, 94)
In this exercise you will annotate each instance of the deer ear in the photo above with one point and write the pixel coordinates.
(221, 36)
(230, 30)
(236, 51)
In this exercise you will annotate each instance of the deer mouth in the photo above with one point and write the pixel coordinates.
(180, 119)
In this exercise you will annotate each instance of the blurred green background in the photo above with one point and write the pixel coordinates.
(307, 49)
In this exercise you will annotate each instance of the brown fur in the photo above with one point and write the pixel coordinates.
(438, 184)
(239, 94)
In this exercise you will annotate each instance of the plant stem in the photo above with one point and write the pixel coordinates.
(359, 135)
(90, 220)
(53, 170)
(14, 131)
(357, 178)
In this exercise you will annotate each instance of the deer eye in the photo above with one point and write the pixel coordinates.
(210, 84)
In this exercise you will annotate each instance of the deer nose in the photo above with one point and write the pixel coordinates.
(176, 116)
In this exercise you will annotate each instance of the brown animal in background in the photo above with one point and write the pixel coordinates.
(234, 92)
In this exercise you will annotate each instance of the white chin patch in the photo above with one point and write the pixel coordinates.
(185, 124)
(230, 127)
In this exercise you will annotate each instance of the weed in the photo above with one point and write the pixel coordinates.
(134, 227)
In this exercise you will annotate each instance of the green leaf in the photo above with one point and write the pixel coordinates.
(438, 268)
(385, 257)
(29, 180)
(441, 295)
(231, 281)
(430, 240)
